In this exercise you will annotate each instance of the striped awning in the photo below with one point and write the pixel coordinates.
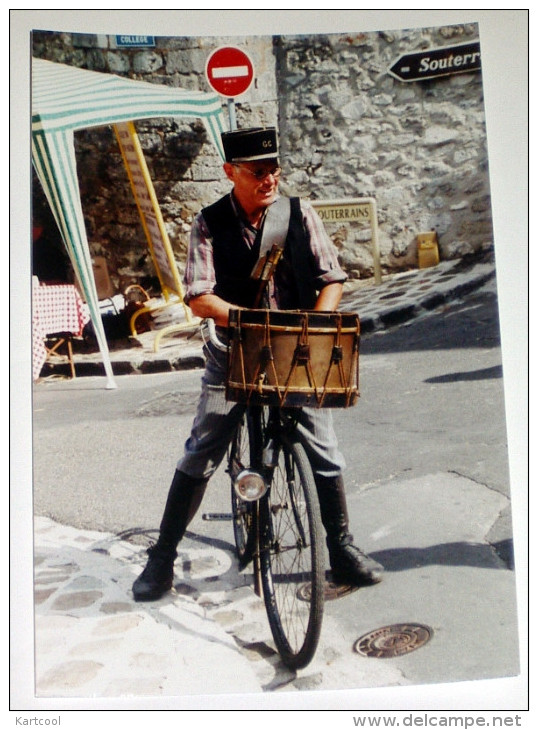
(66, 99)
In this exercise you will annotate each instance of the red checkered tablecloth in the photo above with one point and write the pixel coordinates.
(55, 308)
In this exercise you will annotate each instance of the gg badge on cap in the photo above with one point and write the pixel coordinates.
(247, 145)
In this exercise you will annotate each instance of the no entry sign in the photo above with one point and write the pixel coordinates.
(229, 71)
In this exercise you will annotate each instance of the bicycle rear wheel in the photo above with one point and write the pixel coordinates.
(292, 557)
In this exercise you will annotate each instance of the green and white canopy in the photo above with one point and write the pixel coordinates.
(66, 99)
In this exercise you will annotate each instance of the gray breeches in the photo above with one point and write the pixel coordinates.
(216, 419)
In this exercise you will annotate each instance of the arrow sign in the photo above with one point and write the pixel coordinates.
(435, 62)
(229, 71)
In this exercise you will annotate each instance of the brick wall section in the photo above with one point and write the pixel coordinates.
(348, 129)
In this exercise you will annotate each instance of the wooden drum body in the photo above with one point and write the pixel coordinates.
(293, 358)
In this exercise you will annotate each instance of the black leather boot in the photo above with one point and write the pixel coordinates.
(349, 564)
(184, 498)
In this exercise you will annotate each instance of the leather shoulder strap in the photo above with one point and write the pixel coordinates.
(276, 224)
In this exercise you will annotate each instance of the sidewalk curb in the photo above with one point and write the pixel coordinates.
(398, 299)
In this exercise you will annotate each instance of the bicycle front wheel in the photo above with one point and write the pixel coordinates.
(242, 512)
(292, 557)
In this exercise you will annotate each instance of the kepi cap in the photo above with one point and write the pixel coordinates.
(249, 145)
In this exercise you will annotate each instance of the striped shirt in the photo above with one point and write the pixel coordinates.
(200, 272)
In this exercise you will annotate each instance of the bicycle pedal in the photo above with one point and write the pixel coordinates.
(217, 516)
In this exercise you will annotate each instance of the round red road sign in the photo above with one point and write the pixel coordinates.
(229, 71)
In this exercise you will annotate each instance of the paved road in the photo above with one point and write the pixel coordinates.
(428, 493)
(431, 400)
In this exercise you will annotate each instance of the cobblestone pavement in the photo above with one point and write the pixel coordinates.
(210, 635)
(93, 640)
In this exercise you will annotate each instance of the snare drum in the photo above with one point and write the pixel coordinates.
(293, 358)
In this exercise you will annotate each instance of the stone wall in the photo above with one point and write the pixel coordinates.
(419, 148)
(348, 129)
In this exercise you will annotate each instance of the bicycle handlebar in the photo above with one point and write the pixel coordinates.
(208, 327)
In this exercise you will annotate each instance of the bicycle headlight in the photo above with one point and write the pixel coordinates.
(250, 486)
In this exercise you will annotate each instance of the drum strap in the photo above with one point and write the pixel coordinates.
(273, 237)
(275, 227)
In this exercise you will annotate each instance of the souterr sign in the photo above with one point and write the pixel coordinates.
(435, 62)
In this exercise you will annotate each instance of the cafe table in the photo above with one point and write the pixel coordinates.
(58, 312)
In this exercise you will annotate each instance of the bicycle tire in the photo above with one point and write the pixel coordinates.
(242, 512)
(292, 557)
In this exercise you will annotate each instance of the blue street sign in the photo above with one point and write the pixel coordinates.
(140, 41)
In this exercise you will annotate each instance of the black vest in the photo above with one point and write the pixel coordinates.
(234, 260)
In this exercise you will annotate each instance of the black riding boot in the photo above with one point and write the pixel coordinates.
(184, 498)
(349, 564)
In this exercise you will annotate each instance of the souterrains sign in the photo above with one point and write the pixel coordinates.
(343, 212)
(435, 62)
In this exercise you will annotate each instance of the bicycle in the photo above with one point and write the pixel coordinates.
(275, 510)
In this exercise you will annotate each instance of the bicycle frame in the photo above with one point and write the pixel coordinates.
(265, 446)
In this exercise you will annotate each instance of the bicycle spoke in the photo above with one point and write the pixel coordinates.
(293, 559)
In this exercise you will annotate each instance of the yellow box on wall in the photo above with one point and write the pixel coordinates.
(427, 249)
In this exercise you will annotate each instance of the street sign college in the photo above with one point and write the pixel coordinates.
(435, 62)
(137, 41)
(229, 71)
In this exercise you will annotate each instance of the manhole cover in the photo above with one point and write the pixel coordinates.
(391, 641)
(331, 591)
